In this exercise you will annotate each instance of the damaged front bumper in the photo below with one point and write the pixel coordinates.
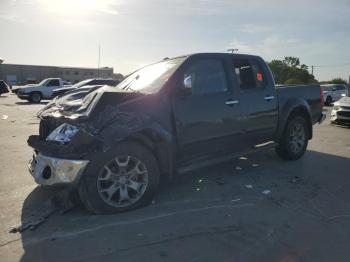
(50, 170)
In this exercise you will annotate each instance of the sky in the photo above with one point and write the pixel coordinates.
(133, 33)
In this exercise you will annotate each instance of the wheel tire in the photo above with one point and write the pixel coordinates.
(35, 97)
(328, 101)
(88, 189)
(286, 148)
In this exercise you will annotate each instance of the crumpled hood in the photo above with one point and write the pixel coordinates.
(82, 104)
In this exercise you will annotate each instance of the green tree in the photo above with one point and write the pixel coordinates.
(337, 80)
(291, 71)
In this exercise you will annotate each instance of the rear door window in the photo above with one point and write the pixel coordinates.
(249, 74)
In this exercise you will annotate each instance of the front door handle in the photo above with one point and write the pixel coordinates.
(269, 98)
(231, 102)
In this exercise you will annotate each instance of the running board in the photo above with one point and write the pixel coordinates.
(205, 162)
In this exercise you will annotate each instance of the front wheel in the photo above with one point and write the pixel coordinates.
(35, 97)
(122, 179)
(294, 140)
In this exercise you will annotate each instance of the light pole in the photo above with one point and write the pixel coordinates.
(232, 50)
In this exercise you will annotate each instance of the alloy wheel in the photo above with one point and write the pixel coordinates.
(297, 137)
(122, 181)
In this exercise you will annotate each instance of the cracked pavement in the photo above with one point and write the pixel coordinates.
(207, 215)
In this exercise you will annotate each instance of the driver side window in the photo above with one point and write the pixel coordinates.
(205, 76)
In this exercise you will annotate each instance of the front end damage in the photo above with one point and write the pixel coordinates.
(69, 140)
(54, 162)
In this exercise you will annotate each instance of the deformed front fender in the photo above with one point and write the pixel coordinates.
(139, 127)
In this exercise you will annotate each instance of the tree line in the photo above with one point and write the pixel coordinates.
(290, 71)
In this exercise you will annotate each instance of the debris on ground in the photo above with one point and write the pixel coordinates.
(295, 179)
(4, 117)
(235, 200)
(249, 186)
(243, 158)
(139, 234)
(60, 203)
(255, 165)
(200, 181)
(238, 168)
(266, 192)
(198, 189)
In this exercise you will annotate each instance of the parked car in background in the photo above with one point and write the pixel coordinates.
(67, 83)
(69, 100)
(167, 118)
(333, 92)
(341, 111)
(4, 88)
(87, 82)
(36, 92)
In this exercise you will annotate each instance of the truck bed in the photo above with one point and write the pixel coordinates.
(309, 93)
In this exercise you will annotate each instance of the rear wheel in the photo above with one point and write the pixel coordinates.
(125, 178)
(35, 97)
(328, 101)
(294, 141)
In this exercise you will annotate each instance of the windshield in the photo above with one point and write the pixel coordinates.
(42, 83)
(151, 78)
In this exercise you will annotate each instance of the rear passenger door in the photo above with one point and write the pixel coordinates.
(258, 101)
(206, 111)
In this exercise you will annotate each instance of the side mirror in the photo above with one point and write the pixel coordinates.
(187, 85)
(188, 82)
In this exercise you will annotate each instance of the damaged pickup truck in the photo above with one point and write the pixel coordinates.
(167, 118)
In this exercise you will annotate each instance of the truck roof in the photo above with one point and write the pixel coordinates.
(205, 54)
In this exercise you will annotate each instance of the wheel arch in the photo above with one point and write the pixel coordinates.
(291, 109)
(159, 142)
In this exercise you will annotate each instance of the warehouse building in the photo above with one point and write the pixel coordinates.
(15, 74)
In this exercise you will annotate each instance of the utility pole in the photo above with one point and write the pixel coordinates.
(312, 70)
(99, 58)
(232, 50)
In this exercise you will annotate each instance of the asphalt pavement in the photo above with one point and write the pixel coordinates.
(254, 208)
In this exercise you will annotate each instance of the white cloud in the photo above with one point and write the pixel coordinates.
(253, 29)
(78, 7)
(270, 47)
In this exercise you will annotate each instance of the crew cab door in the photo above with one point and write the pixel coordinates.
(257, 97)
(206, 111)
(52, 84)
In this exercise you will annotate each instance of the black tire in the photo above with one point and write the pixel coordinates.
(89, 193)
(289, 149)
(328, 101)
(35, 97)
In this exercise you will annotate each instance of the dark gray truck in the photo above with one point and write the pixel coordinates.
(167, 118)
